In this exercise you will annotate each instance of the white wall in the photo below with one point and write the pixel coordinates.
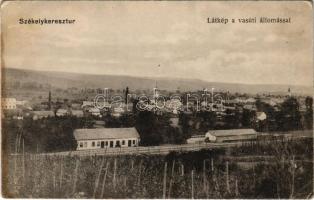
(8, 103)
(88, 144)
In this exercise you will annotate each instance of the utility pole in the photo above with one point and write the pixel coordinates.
(156, 88)
(212, 99)
(49, 100)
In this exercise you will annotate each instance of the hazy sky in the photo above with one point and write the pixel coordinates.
(133, 38)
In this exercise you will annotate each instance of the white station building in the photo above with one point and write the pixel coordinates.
(106, 138)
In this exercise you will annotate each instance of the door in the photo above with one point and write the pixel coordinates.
(102, 144)
(111, 143)
(129, 143)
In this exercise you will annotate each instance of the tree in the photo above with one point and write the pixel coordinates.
(146, 126)
(208, 120)
(289, 117)
(309, 113)
(184, 123)
(270, 124)
(247, 118)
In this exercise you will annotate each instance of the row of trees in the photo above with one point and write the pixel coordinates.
(45, 135)
(56, 134)
(288, 117)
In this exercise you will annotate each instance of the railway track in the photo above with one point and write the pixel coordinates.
(162, 150)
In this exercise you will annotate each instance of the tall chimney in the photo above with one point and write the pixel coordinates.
(126, 95)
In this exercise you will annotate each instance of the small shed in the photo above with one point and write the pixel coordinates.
(196, 139)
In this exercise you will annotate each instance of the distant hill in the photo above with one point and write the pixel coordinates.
(66, 80)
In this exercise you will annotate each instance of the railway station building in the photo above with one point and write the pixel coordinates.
(99, 138)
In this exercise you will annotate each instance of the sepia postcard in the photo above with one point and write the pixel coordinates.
(157, 99)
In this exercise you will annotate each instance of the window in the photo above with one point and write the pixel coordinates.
(106, 143)
(111, 143)
(133, 141)
(93, 144)
(81, 144)
(123, 142)
(98, 143)
(85, 144)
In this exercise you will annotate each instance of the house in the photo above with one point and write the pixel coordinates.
(117, 112)
(230, 135)
(76, 106)
(62, 112)
(8, 103)
(260, 116)
(230, 101)
(174, 105)
(95, 112)
(106, 138)
(88, 104)
(239, 100)
(250, 100)
(249, 107)
(77, 113)
(18, 117)
(42, 114)
(21, 103)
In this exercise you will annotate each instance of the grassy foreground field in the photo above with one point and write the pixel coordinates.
(262, 169)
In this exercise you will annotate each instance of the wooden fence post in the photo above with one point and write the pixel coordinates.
(54, 179)
(97, 178)
(15, 162)
(292, 181)
(75, 175)
(164, 181)
(204, 176)
(192, 185)
(236, 187)
(114, 173)
(19, 143)
(171, 180)
(254, 180)
(104, 181)
(124, 181)
(216, 186)
(227, 177)
(132, 164)
(139, 173)
(61, 173)
(23, 164)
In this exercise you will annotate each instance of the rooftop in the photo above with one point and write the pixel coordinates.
(105, 133)
(43, 112)
(230, 132)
